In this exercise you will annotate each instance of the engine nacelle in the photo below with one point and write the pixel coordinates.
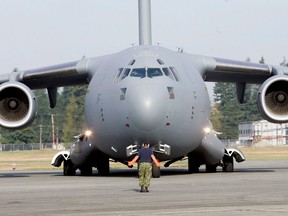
(17, 105)
(273, 99)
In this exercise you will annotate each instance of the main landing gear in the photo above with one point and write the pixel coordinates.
(68, 168)
(101, 162)
(227, 162)
(228, 159)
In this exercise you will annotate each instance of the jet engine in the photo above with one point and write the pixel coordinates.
(17, 105)
(273, 99)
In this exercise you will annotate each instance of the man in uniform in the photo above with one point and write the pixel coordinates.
(145, 156)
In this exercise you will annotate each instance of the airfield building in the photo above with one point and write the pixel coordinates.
(262, 133)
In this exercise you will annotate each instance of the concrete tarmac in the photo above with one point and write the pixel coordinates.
(255, 188)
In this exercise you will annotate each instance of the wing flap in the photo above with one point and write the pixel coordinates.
(55, 76)
(67, 69)
(224, 70)
(50, 77)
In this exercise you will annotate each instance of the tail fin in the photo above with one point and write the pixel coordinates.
(144, 10)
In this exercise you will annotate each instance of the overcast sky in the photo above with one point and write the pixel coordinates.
(37, 33)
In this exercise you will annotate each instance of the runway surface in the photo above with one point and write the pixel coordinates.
(255, 188)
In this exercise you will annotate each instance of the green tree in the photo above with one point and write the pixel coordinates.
(74, 112)
(43, 119)
(216, 117)
(230, 112)
(25, 136)
(227, 112)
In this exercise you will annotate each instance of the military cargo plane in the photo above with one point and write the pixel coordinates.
(144, 93)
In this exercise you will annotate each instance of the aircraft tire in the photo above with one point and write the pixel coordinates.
(68, 168)
(86, 170)
(103, 170)
(211, 168)
(103, 166)
(228, 164)
(156, 173)
(193, 165)
(193, 168)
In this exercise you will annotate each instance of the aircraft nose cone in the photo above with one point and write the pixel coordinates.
(147, 106)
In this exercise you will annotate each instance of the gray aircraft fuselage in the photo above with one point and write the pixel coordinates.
(170, 109)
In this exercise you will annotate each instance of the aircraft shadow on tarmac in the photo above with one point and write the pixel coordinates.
(24, 174)
(175, 171)
(122, 172)
(13, 175)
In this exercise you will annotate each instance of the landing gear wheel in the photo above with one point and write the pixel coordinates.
(193, 168)
(156, 173)
(228, 164)
(193, 165)
(103, 164)
(68, 168)
(211, 168)
(86, 171)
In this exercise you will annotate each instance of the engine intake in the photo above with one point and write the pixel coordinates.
(273, 99)
(17, 105)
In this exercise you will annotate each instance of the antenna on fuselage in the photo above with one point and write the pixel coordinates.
(144, 11)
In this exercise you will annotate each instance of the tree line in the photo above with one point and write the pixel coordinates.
(67, 118)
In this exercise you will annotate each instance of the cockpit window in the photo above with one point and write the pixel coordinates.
(125, 73)
(141, 72)
(132, 62)
(160, 61)
(153, 72)
(138, 72)
(175, 73)
(116, 79)
(168, 73)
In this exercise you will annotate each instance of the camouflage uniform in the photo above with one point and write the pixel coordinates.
(145, 172)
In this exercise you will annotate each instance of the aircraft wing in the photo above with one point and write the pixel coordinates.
(72, 73)
(17, 101)
(225, 70)
(272, 98)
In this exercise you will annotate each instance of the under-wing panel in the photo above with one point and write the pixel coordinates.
(67, 74)
(224, 70)
(55, 76)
